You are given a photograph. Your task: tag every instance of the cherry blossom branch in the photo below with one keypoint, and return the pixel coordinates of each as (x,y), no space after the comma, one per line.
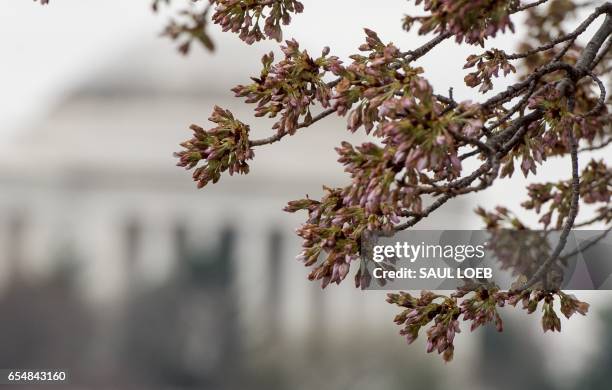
(521,125)
(582,66)
(587,245)
(529,5)
(603,9)
(601,101)
(602,53)
(596,147)
(415,54)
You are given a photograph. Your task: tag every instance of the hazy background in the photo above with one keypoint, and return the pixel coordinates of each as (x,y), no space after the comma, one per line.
(114,266)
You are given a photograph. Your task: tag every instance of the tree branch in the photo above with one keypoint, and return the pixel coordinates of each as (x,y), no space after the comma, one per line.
(582,66)
(277,137)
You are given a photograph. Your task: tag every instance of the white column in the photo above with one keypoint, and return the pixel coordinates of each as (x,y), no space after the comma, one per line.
(157,252)
(251,276)
(101,245)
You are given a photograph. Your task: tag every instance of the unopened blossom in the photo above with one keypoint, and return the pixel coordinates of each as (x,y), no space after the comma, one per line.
(191,28)
(331,236)
(244,19)
(531,151)
(290,87)
(595,187)
(222,148)
(372,79)
(471,21)
(488,65)
(550,319)
(481,308)
(419,312)
(571,305)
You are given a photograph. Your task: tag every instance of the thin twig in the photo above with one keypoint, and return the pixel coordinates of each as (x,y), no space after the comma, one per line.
(577,31)
(573,211)
(277,137)
(596,147)
(586,246)
(529,5)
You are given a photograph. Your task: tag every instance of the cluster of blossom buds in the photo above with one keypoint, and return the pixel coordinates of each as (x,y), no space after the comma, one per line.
(487,65)
(479,305)
(471,21)
(550,136)
(593,127)
(192,30)
(540,194)
(391,93)
(596,182)
(331,229)
(551,100)
(559,120)
(515,246)
(555,140)
(570,305)
(501,218)
(595,186)
(223,148)
(290,87)
(371,80)
(586,98)
(411,147)
(373,188)
(418,312)
(242,17)
(374,200)
(423,137)
(418,135)
(550,320)
(531,151)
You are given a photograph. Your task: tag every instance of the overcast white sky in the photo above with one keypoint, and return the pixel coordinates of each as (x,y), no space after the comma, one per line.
(47,49)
